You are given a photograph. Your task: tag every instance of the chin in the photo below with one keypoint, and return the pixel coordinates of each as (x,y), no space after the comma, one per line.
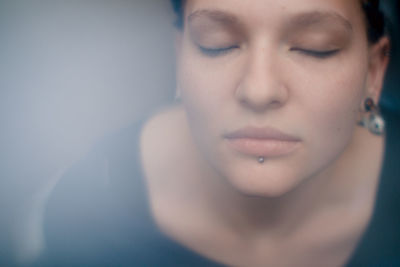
(262,182)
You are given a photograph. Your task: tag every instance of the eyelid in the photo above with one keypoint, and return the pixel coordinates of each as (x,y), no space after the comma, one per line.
(218,51)
(316,53)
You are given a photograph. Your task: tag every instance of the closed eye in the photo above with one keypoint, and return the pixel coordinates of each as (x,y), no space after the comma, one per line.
(316,53)
(214,52)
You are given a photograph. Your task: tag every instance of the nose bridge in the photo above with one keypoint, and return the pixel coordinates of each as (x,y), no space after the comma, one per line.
(261,85)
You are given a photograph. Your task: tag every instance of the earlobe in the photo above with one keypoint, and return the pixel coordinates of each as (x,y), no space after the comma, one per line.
(378,62)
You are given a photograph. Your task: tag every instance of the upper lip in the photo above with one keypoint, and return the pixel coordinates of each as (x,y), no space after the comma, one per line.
(261,133)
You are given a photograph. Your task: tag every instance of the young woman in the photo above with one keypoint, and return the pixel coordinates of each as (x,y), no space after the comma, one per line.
(276,155)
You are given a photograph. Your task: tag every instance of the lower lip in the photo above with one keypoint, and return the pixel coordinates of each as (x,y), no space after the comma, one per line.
(263,147)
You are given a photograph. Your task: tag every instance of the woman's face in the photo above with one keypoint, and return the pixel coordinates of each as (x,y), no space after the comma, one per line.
(282,80)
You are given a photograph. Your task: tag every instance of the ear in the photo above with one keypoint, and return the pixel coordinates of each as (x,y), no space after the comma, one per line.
(378,62)
(178,43)
(178,53)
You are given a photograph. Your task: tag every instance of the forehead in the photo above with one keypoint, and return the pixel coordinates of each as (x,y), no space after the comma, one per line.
(269,12)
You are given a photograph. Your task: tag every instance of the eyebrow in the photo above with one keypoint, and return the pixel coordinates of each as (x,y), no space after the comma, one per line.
(215,15)
(303,20)
(299,20)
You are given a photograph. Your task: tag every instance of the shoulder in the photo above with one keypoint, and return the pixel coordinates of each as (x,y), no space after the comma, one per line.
(165,151)
(163,127)
(98,205)
(94,173)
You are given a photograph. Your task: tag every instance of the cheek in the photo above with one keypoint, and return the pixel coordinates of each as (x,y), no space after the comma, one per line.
(204,84)
(207,96)
(207,90)
(334,103)
(328,107)
(200,99)
(330,90)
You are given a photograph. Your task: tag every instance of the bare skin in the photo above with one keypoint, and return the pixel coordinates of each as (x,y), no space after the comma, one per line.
(317,224)
(301,67)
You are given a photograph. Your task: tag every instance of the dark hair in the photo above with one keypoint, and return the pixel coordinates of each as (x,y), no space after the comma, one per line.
(178,6)
(375,19)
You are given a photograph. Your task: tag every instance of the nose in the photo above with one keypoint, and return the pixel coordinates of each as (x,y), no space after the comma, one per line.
(262,87)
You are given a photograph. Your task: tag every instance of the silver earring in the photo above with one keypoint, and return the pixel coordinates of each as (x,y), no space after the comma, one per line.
(376,124)
(261,159)
(372,119)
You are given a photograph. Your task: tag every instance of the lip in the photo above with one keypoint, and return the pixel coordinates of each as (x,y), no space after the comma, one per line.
(266,142)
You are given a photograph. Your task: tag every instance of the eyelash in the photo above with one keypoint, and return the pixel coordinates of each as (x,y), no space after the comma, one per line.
(214,52)
(315,53)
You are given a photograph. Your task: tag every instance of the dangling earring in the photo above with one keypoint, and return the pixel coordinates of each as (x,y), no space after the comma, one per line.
(372,119)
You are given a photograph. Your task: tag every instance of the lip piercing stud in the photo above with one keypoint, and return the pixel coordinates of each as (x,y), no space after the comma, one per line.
(261,160)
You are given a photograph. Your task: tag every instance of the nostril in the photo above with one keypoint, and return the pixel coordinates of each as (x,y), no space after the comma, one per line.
(260,106)
(262,98)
